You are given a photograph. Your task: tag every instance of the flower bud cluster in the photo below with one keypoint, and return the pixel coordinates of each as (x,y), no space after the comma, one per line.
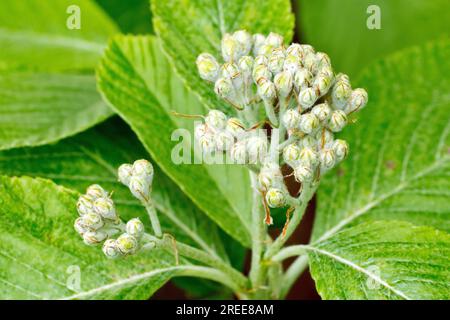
(127,243)
(138,177)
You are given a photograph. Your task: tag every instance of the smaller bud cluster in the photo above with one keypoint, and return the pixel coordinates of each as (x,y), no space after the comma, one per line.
(127,243)
(271,181)
(138,177)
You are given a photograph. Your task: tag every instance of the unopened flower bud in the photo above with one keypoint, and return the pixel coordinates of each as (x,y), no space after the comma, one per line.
(140,188)
(92,221)
(257,149)
(239,152)
(245,64)
(224,88)
(261,60)
(308,157)
(84,204)
(303,173)
(127,244)
(358,100)
(105,208)
(125,172)
(92,238)
(79,226)
(266,89)
(322,111)
(321,84)
(292,63)
(337,121)
(200,130)
(341,91)
(224,141)
(142,167)
(340,148)
(135,228)
(276,198)
(307,98)
(324,138)
(307,49)
(265,50)
(322,59)
(258,42)
(310,62)
(308,123)
(291,153)
(208,67)
(229,70)
(302,79)
(96,191)
(283,83)
(244,40)
(274,39)
(235,127)
(291,119)
(261,71)
(270,176)
(110,249)
(230,48)
(207,143)
(327,158)
(308,142)
(276,60)
(216,119)
(295,49)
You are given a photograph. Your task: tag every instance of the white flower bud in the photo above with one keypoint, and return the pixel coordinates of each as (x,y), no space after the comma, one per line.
(291,153)
(244,40)
(303,173)
(216,119)
(127,244)
(270,176)
(200,130)
(235,127)
(324,138)
(337,121)
(79,226)
(308,142)
(257,149)
(322,59)
(261,71)
(310,62)
(230,48)
(322,111)
(258,42)
(292,63)
(266,89)
(321,84)
(307,49)
(207,143)
(358,100)
(96,191)
(302,79)
(110,249)
(92,221)
(291,119)
(139,187)
(276,198)
(308,123)
(308,157)
(327,158)
(125,172)
(246,67)
(340,148)
(208,67)
(276,60)
(283,83)
(224,141)
(84,204)
(261,60)
(105,208)
(142,167)
(135,227)
(239,152)
(326,71)
(295,49)
(223,88)
(341,91)
(92,238)
(274,39)
(229,70)
(265,50)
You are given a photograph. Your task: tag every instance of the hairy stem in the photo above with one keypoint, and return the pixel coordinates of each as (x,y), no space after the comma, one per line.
(293,272)
(153,218)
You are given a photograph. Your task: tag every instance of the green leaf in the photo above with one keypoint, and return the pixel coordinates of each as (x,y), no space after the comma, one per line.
(399,160)
(40,251)
(35,34)
(188,28)
(40,108)
(339,28)
(127,80)
(90,158)
(383,260)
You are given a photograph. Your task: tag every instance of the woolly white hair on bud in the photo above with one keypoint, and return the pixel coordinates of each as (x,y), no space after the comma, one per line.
(270,176)
(283,83)
(235,127)
(92,238)
(261,71)
(245,64)
(322,111)
(266,89)
(230,48)
(85,204)
(295,49)
(310,62)
(327,158)
(207,143)
(224,140)
(127,244)
(258,42)
(265,50)
(229,70)
(135,228)
(321,84)
(358,100)
(257,149)
(207,66)
(79,226)
(143,167)
(303,173)
(308,142)
(307,98)
(110,249)
(224,88)
(216,119)
(200,130)
(322,59)
(340,148)
(261,60)
(276,198)
(276,60)
(244,40)
(308,157)
(307,49)
(291,153)
(308,123)
(302,79)
(92,221)
(337,121)
(274,39)
(239,152)
(124,173)
(139,187)
(324,138)
(291,118)
(96,191)
(105,208)
(341,91)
